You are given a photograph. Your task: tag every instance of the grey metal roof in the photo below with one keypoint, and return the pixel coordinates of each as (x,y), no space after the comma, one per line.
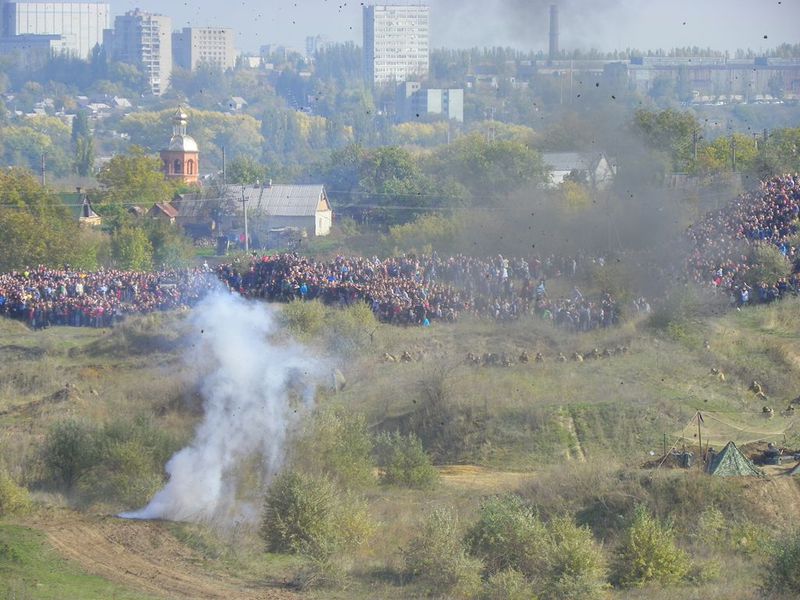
(279,200)
(568,161)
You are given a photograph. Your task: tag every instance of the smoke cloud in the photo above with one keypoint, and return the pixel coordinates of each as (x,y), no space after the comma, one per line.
(525,24)
(252,388)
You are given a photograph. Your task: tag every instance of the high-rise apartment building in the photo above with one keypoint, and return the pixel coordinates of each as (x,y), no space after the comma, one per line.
(80,24)
(195,46)
(396,43)
(144,39)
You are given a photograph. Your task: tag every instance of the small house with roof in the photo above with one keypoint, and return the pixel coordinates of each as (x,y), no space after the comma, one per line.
(596,170)
(163,211)
(275,208)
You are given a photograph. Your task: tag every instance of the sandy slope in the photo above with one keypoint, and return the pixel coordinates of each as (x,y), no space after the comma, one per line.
(143,556)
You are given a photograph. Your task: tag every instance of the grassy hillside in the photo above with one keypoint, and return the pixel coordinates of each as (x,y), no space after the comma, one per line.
(569,437)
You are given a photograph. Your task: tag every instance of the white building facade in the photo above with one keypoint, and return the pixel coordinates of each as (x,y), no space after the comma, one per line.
(81,24)
(195,46)
(396,43)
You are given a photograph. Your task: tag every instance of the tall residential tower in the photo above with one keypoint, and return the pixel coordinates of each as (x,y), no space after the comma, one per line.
(396,43)
(143,39)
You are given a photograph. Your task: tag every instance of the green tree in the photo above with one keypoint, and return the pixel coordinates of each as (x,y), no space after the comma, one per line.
(507,535)
(131,249)
(648,553)
(69,450)
(35,227)
(134,179)
(668,131)
(490,170)
(171,249)
(768,265)
(783,574)
(404,461)
(82,144)
(245,169)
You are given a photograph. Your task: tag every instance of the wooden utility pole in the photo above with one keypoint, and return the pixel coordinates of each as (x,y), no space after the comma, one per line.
(699,435)
(246,236)
(44,170)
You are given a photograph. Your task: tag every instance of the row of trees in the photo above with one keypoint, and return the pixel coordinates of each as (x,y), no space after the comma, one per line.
(38,228)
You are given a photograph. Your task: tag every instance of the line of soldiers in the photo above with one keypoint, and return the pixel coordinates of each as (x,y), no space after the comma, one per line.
(503,359)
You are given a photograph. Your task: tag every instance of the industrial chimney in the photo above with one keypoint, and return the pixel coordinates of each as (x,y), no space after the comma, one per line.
(553,32)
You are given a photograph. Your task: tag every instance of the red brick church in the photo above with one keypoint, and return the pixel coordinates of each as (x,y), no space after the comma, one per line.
(181,157)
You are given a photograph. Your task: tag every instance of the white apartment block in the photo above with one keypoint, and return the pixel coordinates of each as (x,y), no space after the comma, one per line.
(196,46)
(144,39)
(80,24)
(396,43)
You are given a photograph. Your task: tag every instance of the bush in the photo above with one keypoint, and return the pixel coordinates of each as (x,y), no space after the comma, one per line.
(648,553)
(508,585)
(350,330)
(783,574)
(298,513)
(69,450)
(14,499)
(437,559)
(304,320)
(127,474)
(768,265)
(575,567)
(508,535)
(337,444)
(307,514)
(404,461)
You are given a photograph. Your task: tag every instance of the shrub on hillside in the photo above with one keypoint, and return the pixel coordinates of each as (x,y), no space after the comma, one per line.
(69,451)
(308,514)
(574,565)
(404,461)
(351,329)
(507,535)
(783,573)
(336,443)
(304,320)
(648,553)
(508,585)
(127,474)
(14,499)
(436,558)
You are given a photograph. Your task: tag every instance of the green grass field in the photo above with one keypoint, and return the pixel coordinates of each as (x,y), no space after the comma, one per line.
(549,431)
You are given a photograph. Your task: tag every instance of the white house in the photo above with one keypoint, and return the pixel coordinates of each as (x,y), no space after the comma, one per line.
(595,169)
(272,207)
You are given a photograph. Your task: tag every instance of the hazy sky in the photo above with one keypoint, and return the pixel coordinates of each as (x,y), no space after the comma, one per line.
(603,24)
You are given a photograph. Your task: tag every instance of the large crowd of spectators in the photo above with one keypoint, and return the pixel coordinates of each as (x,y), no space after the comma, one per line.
(407,290)
(721,244)
(43,297)
(420,289)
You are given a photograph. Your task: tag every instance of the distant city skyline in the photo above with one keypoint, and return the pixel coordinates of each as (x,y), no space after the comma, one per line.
(603,24)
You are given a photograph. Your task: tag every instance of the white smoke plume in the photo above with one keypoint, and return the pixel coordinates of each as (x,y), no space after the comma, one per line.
(252,390)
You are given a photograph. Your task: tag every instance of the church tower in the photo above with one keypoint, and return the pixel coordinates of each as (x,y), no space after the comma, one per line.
(181,157)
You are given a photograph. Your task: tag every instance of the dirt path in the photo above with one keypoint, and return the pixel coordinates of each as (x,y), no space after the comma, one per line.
(143,556)
(482,479)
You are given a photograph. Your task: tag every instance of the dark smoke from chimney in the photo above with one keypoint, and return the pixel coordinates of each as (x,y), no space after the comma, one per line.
(553,32)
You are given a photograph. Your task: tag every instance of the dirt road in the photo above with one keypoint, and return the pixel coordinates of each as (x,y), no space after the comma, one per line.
(143,556)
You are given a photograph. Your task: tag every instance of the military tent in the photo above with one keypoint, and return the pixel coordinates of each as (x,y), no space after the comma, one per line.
(730,462)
